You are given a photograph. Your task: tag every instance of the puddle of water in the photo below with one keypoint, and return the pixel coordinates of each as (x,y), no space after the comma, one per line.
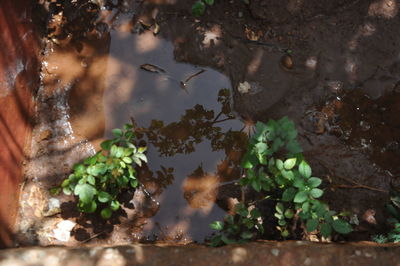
(193,140)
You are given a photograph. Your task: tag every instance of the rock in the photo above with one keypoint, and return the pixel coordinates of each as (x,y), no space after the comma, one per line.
(53,207)
(63,230)
(287,62)
(244,87)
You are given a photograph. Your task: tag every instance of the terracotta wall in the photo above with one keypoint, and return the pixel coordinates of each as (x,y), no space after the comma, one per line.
(19,77)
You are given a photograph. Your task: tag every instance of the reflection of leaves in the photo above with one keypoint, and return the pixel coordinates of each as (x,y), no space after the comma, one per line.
(194,126)
(162,177)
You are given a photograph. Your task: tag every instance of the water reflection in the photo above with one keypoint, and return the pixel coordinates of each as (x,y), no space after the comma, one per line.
(194,140)
(198,186)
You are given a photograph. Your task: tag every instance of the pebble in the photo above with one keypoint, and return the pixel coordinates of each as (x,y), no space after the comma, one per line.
(287,62)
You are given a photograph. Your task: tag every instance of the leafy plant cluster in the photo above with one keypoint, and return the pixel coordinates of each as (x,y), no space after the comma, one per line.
(99,179)
(244,226)
(394,209)
(276,168)
(199,7)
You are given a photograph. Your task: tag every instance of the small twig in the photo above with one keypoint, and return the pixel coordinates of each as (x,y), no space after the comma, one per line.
(222,120)
(359,186)
(194,75)
(93,236)
(355,184)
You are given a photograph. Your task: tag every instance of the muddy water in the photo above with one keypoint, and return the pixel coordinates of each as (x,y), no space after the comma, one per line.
(194,143)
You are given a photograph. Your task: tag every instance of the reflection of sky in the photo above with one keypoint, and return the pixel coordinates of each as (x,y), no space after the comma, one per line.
(132,92)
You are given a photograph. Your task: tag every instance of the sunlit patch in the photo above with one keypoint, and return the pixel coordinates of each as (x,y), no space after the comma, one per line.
(239,255)
(383,8)
(312,62)
(351,69)
(121,78)
(366,30)
(200,190)
(255,62)
(146,42)
(139,254)
(211,36)
(178,232)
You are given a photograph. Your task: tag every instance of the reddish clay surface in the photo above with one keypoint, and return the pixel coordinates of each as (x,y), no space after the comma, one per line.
(18,79)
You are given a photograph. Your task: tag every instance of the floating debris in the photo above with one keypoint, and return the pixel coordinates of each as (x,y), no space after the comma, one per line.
(152,68)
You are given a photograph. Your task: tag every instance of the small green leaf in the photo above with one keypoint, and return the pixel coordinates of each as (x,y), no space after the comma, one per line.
(54,191)
(217,225)
(209,2)
(127,160)
(142,149)
(316,193)
(288,194)
(311,224)
(293,147)
(89,207)
(285,233)
(141,156)
(67,191)
(134,183)
(198,9)
(305,207)
(246,235)
(113,150)
(287,174)
(79,169)
(255,213)
(289,163)
(279,208)
(255,183)
(314,182)
(106,213)
(65,183)
(117,132)
(104,197)
(289,213)
(91,180)
(114,205)
(85,192)
(305,169)
(260,148)
(341,226)
(279,164)
(326,230)
(106,145)
(128,126)
(300,197)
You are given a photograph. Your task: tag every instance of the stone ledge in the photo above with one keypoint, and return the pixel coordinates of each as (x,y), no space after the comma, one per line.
(258,253)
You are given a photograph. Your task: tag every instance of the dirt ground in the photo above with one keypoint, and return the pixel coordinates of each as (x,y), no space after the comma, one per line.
(331,66)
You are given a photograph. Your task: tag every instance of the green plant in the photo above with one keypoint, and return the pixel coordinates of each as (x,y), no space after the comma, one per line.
(394,209)
(275,166)
(99,179)
(199,7)
(244,226)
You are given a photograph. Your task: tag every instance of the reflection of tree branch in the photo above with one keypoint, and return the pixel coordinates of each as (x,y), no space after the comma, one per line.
(223,120)
(218,115)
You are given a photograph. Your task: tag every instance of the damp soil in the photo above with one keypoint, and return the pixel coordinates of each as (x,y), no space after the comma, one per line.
(333,68)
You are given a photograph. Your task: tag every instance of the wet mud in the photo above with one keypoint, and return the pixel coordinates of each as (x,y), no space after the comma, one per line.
(332,68)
